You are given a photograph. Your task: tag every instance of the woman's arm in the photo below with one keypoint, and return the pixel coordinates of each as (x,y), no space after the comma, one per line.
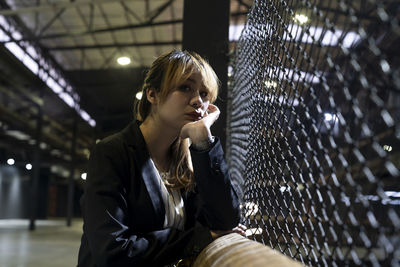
(220,201)
(107,232)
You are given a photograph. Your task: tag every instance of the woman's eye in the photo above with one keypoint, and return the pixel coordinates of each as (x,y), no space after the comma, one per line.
(185,88)
(203,94)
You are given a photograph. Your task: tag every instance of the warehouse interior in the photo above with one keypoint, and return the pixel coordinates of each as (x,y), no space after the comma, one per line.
(318,78)
(60,73)
(69,74)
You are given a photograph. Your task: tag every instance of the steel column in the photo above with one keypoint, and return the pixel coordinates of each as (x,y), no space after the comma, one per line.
(70,201)
(36,170)
(205,31)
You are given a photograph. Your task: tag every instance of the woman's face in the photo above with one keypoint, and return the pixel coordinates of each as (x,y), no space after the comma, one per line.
(186,103)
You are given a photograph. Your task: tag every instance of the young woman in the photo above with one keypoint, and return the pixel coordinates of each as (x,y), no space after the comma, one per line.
(159,190)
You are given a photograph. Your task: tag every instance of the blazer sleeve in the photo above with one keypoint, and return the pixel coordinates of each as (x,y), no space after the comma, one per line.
(109,239)
(220,202)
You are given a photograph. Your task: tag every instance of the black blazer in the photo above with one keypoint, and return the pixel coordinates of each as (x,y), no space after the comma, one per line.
(123,210)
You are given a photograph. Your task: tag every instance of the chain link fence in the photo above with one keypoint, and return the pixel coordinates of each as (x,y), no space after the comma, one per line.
(313,129)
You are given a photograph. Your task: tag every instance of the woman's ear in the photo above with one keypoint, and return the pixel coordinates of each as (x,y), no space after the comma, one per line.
(152,95)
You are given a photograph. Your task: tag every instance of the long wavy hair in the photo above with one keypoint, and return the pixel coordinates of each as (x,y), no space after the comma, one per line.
(166,73)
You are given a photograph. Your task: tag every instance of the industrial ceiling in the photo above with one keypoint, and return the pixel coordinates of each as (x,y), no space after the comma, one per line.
(58,59)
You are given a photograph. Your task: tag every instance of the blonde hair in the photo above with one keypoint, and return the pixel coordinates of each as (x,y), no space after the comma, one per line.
(166,73)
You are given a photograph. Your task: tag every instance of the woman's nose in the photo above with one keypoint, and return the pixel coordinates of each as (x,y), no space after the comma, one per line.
(197,101)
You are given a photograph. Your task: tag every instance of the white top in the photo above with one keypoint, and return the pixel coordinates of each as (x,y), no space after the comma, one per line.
(173,202)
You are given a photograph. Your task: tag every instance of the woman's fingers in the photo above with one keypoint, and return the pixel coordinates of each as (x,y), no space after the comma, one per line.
(212,115)
(199,130)
(239,230)
(212,109)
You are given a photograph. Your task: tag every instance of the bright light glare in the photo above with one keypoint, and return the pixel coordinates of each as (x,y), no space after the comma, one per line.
(270,84)
(84,115)
(230,71)
(387,148)
(28,166)
(392,194)
(330,117)
(235,31)
(251,209)
(300,18)
(67,99)
(55,83)
(83,176)
(31,64)
(139,95)
(284,188)
(92,122)
(15,50)
(10,161)
(3,36)
(124,61)
(254,231)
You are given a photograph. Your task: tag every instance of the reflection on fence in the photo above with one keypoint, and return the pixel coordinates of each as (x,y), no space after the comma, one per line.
(314,129)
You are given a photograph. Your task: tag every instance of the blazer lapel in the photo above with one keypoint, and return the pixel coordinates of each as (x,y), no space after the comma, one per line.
(146,169)
(153,188)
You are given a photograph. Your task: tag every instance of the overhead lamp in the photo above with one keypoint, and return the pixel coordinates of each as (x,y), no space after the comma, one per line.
(301,19)
(124,61)
(28,166)
(387,148)
(10,161)
(139,95)
(83,176)
(230,71)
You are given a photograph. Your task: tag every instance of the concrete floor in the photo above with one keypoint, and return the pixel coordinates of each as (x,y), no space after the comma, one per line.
(51,244)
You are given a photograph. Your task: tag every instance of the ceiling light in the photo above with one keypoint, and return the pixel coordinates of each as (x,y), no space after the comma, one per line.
(43,146)
(28,166)
(18,134)
(387,148)
(124,61)
(300,18)
(10,161)
(29,57)
(139,95)
(230,71)
(83,176)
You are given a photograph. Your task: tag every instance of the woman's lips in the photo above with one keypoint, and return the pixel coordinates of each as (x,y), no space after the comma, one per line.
(195,115)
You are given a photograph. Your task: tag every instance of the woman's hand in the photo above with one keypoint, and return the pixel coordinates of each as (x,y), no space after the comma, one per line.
(240,229)
(199,130)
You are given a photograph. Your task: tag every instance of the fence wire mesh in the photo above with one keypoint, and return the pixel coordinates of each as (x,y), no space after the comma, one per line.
(313,129)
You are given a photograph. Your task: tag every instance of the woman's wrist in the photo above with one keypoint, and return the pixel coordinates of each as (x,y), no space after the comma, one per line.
(199,134)
(204,144)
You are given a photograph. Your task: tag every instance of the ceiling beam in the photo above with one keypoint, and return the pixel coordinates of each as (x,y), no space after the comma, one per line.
(54,6)
(119,45)
(109,29)
(153,15)
(242,3)
(51,21)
